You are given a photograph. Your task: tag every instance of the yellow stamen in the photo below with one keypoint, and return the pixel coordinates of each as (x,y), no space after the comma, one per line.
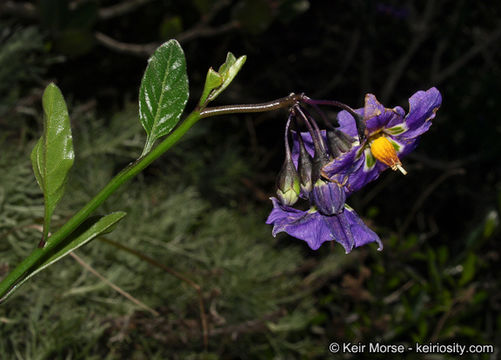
(383,150)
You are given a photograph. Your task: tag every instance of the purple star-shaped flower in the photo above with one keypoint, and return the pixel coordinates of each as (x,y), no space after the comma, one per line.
(391,134)
(311,226)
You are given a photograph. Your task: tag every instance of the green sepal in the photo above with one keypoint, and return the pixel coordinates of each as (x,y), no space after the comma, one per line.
(87,231)
(53,156)
(230,60)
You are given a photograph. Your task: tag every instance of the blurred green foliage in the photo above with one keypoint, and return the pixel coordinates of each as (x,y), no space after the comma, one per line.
(20,62)
(200,209)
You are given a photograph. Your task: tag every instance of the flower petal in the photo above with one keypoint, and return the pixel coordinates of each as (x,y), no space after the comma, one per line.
(422,108)
(377,117)
(341,165)
(354,173)
(367,171)
(345,228)
(340,228)
(304,225)
(347,123)
(361,232)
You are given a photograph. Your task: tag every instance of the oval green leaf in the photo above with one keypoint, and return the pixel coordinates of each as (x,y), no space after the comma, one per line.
(53,155)
(86,232)
(163,93)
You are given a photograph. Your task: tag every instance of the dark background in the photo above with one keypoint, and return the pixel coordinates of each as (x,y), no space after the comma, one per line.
(435,281)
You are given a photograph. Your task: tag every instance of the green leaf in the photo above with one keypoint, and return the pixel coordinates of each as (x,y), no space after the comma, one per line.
(230,60)
(53,155)
(89,230)
(228,71)
(163,93)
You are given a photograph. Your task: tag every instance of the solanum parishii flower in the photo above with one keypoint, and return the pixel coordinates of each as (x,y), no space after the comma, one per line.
(316,228)
(390,135)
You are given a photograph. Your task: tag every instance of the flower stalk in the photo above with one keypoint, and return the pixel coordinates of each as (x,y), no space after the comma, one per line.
(281,103)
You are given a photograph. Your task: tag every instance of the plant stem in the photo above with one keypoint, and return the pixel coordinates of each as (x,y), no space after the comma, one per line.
(10,281)
(281,103)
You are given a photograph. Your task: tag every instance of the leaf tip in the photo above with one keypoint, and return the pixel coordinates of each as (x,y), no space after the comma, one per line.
(52,86)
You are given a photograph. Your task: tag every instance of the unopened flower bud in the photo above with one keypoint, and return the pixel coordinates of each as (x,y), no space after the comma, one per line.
(320,159)
(305,167)
(328,197)
(338,142)
(288,183)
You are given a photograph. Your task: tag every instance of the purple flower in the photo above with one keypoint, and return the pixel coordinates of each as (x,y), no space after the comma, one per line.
(391,134)
(311,226)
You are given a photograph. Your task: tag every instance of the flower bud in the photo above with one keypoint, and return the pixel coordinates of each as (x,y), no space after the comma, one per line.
(338,142)
(305,166)
(288,183)
(320,159)
(328,197)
